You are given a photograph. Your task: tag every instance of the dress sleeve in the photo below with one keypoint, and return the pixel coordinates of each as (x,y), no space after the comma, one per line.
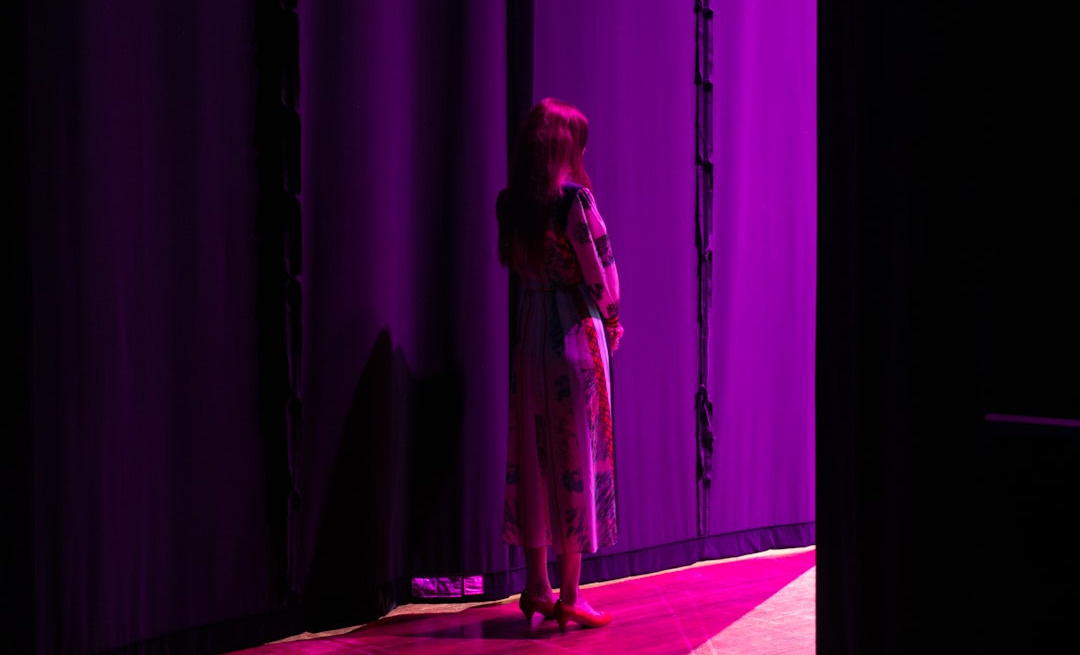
(589,237)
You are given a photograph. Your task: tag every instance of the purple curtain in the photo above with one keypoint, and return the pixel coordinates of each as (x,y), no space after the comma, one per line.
(765,261)
(148,484)
(632,73)
(404,151)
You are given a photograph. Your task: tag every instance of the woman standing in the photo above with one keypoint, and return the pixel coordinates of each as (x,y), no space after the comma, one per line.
(560,485)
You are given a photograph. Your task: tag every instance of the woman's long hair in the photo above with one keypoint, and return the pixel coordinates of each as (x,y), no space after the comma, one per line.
(547,154)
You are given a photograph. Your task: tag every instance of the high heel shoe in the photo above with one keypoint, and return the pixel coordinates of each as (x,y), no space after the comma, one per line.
(531,604)
(585,618)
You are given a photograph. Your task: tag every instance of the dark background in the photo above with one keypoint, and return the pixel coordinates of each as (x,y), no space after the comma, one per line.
(947,293)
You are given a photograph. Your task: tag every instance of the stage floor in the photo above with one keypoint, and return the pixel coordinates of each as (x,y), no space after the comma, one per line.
(762,604)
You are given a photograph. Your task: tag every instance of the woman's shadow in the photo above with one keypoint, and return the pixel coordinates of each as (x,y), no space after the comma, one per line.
(498,620)
(393,505)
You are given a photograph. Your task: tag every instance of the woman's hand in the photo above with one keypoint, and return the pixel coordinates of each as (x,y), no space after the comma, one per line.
(614,333)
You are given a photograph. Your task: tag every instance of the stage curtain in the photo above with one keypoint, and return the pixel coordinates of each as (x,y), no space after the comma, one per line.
(947,355)
(764,271)
(149,478)
(632,74)
(402,464)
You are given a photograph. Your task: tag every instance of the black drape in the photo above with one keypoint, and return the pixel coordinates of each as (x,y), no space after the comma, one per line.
(944,271)
(139,465)
(17,614)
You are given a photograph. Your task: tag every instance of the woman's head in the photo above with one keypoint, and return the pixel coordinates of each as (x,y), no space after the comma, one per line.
(549,150)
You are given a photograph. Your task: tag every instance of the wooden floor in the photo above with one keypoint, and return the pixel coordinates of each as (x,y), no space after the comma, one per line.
(761,604)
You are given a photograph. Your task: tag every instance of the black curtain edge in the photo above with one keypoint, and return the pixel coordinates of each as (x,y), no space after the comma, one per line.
(276,143)
(18,615)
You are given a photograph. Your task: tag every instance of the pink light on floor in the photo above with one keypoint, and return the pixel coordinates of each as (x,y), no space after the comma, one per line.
(762,604)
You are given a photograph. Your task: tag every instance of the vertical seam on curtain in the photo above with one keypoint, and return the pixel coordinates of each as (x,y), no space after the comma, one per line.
(278,253)
(703,216)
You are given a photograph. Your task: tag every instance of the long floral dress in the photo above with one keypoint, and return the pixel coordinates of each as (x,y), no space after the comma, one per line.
(560,478)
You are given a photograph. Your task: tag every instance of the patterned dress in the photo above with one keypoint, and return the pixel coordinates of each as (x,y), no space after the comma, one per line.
(560,479)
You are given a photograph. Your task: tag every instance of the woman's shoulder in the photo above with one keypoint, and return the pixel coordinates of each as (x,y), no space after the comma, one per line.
(580,193)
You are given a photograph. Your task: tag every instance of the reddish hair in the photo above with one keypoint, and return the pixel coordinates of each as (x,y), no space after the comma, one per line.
(546,155)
